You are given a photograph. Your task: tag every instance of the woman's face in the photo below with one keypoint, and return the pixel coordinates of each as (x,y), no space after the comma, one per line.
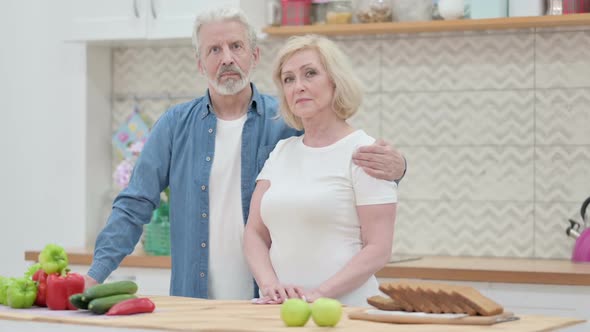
(307,87)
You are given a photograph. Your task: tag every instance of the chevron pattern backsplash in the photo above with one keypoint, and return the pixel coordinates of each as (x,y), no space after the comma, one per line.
(495,127)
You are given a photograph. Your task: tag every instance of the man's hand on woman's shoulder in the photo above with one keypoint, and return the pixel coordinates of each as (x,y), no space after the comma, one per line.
(381,160)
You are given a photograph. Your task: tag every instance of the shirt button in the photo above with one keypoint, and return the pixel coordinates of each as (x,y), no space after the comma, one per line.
(203,187)
(202,274)
(210,130)
(203,244)
(208,158)
(204,215)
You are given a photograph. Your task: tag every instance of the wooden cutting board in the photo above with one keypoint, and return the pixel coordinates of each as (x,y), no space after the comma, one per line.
(423,318)
(188,314)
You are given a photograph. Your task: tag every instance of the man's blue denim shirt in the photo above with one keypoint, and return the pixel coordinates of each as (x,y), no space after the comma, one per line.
(179,154)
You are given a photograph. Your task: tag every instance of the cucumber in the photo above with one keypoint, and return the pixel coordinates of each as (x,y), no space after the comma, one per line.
(76,301)
(108,289)
(103,304)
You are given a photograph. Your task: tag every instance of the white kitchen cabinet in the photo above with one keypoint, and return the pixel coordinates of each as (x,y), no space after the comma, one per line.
(535,299)
(174,19)
(107,19)
(119,20)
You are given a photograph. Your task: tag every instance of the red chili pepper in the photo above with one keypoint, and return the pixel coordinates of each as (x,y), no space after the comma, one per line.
(41,278)
(132,306)
(60,287)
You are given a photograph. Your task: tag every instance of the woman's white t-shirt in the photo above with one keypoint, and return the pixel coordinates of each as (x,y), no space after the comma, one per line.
(310,210)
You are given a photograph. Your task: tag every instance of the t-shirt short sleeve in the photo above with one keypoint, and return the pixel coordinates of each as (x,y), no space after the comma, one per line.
(267,170)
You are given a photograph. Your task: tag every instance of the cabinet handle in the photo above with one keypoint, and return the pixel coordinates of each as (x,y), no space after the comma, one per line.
(153,5)
(135,9)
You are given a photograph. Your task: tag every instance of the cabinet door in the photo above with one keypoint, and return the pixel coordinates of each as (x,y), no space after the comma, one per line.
(175,18)
(106,19)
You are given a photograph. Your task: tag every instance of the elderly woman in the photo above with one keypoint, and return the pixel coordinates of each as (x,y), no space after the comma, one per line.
(319,226)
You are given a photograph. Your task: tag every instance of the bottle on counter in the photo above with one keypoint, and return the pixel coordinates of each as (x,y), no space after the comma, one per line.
(273,12)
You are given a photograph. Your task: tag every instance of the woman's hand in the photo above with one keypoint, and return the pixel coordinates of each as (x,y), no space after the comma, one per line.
(313,295)
(277,293)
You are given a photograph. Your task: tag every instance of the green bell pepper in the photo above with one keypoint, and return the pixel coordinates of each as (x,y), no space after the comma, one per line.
(53,259)
(32,270)
(4,284)
(21,293)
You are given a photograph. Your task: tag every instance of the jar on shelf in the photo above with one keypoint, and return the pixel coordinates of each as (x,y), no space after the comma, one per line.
(339,12)
(575,6)
(489,8)
(319,9)
(519,8)
(295,12)
(373,11)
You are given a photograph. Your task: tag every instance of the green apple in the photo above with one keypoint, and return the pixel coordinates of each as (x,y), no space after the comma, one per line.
(295,312)
(326,312)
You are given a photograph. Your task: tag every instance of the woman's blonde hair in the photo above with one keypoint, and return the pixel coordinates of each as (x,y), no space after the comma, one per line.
(347,89)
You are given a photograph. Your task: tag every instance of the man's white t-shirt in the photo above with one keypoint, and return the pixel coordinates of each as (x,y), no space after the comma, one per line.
(310,210)
(229,275)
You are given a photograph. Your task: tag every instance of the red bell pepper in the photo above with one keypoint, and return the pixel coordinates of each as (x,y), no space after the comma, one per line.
(60,287)
(41,278)
(132,306)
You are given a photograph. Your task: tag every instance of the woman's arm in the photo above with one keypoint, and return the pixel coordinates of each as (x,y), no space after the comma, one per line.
(257,240)
(377,235)
(257,243)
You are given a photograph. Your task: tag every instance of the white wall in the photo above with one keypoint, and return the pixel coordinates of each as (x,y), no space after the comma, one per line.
(42,126)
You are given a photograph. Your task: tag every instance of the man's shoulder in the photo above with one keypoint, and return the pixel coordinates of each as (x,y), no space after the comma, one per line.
(269,104)
(194,105)
(179,112)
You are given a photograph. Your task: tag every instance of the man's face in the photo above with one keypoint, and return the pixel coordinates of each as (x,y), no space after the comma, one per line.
(226,57)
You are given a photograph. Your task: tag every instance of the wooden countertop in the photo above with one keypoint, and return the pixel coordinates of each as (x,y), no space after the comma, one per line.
(488,269)
(84,257)
(187,314)
(480,269)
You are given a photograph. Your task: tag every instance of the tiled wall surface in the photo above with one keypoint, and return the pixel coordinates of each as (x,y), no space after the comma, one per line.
(495,127)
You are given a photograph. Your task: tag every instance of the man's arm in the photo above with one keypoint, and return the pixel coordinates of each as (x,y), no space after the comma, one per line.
(381,160)
(134,205)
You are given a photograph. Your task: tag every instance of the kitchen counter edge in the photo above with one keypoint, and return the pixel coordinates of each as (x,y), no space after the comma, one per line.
(452,268)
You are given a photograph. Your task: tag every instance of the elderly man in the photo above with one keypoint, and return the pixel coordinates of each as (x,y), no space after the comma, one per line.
(209,152)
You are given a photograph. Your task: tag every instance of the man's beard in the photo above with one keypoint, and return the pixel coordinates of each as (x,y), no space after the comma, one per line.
(232,85)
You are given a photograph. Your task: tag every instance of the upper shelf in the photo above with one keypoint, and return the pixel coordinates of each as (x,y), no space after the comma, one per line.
(433,26)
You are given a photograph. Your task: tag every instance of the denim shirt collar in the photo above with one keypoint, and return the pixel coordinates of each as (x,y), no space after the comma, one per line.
(255,101)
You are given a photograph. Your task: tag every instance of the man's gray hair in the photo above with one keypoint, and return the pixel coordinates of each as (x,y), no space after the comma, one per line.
(222,14)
